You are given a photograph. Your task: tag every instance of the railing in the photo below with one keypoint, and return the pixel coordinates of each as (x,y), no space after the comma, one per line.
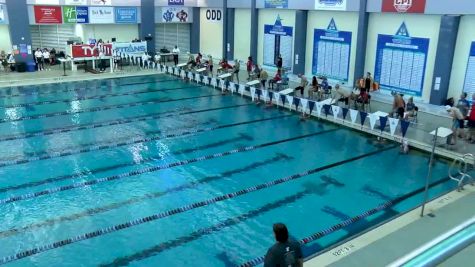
(441,248)
(462,165)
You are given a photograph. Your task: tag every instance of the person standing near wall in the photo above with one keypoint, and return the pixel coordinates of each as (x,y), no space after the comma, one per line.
(39,59)
(249,65)
(368,82)
(46,59)
(280,63)
(176,52)
(210,65)
(236,69)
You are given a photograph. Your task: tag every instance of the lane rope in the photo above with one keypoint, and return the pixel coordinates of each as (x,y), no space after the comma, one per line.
(171,212)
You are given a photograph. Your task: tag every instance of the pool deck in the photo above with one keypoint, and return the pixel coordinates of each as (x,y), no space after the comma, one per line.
(399,237)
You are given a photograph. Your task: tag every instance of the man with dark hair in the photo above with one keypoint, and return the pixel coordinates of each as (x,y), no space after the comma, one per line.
(284,253)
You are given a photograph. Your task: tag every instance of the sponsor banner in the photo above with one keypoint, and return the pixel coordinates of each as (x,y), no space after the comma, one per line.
(126,15)
(176,2)
(404,6)
(75,2)
(48,14)
(81,51)
(276,3)
(2,14)
(339,5)
(175,14)
(130,48)
(101,2)
(47,2)
(214,15)
(101,15)
(73,14)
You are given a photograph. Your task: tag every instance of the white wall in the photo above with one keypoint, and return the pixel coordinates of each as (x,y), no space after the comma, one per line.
(211,36)
(5,44)
(123,32)
(345,21)
(268,16)
(424,26)
(466,36)
(242,34)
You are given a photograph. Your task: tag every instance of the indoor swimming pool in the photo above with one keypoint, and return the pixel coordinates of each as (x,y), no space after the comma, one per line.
(153,171)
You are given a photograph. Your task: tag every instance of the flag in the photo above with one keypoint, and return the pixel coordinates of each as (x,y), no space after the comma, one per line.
(382,123)
(353,115)
(393,125)
(363,116)
(404,126)
(336,111)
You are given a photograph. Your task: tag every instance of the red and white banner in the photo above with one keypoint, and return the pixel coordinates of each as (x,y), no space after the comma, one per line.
(48,14)
(404,6)
(81,51)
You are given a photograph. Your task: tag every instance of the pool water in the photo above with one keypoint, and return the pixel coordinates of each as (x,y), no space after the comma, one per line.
(86,164)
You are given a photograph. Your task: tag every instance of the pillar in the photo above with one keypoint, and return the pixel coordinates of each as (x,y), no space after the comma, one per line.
(195,32)
(19,27)
(361,39)
(229,35)
(300,41)
(254,29)
(147,26)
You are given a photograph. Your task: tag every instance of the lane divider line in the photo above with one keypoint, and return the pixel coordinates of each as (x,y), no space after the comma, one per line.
(92,97)
(98,147)
(339,226)
(98,210)
(97,109)
(48,92)
(175,211)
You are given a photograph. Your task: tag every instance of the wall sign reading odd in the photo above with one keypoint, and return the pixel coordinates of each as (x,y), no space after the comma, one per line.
(214,15)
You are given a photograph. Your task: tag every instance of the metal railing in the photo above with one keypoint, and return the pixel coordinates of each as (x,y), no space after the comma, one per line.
(441,248)
(462,165)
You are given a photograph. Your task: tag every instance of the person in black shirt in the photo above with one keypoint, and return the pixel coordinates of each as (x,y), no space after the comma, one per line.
(280,62)
(284,253)
(368,82)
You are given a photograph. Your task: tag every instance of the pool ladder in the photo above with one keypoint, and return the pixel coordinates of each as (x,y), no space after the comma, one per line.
(462,165)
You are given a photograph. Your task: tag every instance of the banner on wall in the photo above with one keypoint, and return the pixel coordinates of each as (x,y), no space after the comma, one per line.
(404,6)
(101,15)
(101,2)
(48,14)
(47,2)
(469,84)
(176,2)
(126,15)
(330,5)
(75,14)
(85,51)
(175,14)
(2,14)
(276,3)
(130,48)
(214,15)
(401,62)
(331,52)
(75,2)
(278,40)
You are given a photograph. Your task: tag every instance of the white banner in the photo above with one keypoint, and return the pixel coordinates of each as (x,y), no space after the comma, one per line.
(253,93)
(242,88)
(304,103)
(206,80)
(129,48)
(75,2)
(265,95)
(276,98)
(232,87)
(175,14)
(101,15)
(336,111)
(339,5)
(222,84)
(393,125)
(214,82)
(372,120)
(290,100)
(101,2)
(319,106)
(353,115)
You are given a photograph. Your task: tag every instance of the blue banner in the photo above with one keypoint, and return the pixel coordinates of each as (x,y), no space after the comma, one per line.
(278,40)
(176,2)
(331,53)
(82,14)
(401,62)
(126,15)
(276,3)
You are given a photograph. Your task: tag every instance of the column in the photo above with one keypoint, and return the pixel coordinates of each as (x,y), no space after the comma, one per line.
(147,26)
(449,26)
(361,39)
(229,35)
(300,41)
(19,27)
(195,32)
(254,29)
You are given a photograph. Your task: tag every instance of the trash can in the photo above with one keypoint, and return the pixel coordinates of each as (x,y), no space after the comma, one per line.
(20,67)
(31,67)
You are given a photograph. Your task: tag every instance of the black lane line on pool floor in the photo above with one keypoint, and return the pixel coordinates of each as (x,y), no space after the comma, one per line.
(102,96)
(97,109)
(171,212)
(48,92)
(316,189)
(129,141)
(104,169)
(94,211)
(157,168)
(88,126)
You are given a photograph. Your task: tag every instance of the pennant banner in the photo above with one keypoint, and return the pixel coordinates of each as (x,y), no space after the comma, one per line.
(311,106)
(282,98)
(304,104)
(190,75)
(214,82)
(258,93)
(363,116)
(336,111)
(345,113)
(296,103)
(393,125)
(404,126)
(372,120)
(271,96)
(232,87)
(326,109)
(222,84)
(265,95)
(353,115)
(242,88)
(382,123)
(197,78)
(206,80)
(182,74)
(290,100)
(253,93)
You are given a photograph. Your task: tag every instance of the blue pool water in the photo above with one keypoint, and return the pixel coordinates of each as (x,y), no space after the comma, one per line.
(85,156)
